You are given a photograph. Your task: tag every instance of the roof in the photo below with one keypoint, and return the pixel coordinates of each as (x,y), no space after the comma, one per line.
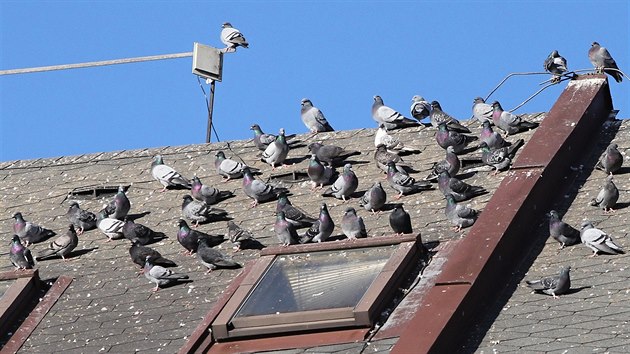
(108,308)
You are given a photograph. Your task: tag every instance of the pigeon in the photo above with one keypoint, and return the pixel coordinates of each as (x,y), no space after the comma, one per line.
(313,118)
(188,237)
(460,190)
(400,221)
(262,140)
(392,143)
(319,174)
(212,258)
(482,111)
(294,215)
(62,246)
(562,232)
(197,211)
(556,65)
(374,198)
(500,158)
(112,228)
(28,232)
(137,232)
(139,253)
(276,152)
(603,61)
(285,231)
(321,229)
(404,183)
(390,118)
(420,108)
(553,285)
(446,137)
(166,175)
(352,225)
(19,255)
(160,275)
(382,157)
(459,215)
(597,240)
(207,194)
(228,168)
(451,164)
(81,219)
(508,122)
(232,38)
(119,207)
(345,185)
(331,154)
(439,116)
(611,160)
(607,196)
(239,237)
(259,191)
(493,139)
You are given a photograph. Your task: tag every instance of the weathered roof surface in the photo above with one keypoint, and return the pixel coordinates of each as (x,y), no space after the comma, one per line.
(594,316)
(108,308)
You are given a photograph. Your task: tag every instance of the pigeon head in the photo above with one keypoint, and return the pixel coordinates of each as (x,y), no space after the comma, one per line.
(594,44)
(450,149)
(496,104)
(479,100)
(220,154)
(436,104)
(350,210)
(347,168)
(282,131)
(226,25)
(417,98)
(71,227)
(280,215)
(483,146)
(586,225)
(255,127)
(449,198)
(381,147)
(485,124)
(17,216)
(74,205)
(314,147)
(323,207)
(157,160)
(306,102)
(378,98)
(553,214)
(555,54)
(15,239)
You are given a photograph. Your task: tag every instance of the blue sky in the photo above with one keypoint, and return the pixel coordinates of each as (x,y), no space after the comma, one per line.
(338,54)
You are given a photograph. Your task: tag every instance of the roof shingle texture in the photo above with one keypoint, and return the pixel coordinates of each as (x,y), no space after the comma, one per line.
(109,308)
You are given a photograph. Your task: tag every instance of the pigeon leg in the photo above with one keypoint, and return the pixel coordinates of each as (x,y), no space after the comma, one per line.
(157,287)
(253,204)
(594,254)
(80,231)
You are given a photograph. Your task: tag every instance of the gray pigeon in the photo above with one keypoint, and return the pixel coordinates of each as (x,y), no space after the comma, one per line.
(603,61)
(62,246)
(232,38)
(460,190)
(197,211)
(493,139)
(28,232)
(294,215)
(607,196)
(390,118)
(611,160)
(319,174)
(277,151)
(207,194)
(439,116)
(19,255)
(228,168)
(374,198)
(451,164)
(553,285)
(139,253)
(239,237)
(459,215)
(382,157)
(166,175)
(508,122)
(112,228)
(446,137)
(119,207)
(392,143)
(212,258)
(259,191)
(262,140)
(482,111)
(313,118)
(400,221)
(404,183)
(189,238)
(284,230)
(331,154)
(562,232)
(597,240)
(138,233)
(81,219)
(160,275)
(345,185)
(420,108)
(500,158)
(352,225)
(556,65)
(321,229)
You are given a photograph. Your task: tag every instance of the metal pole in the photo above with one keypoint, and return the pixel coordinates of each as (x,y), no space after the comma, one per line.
(210,109)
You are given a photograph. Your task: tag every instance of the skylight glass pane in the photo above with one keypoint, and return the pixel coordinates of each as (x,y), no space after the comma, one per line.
(315,281)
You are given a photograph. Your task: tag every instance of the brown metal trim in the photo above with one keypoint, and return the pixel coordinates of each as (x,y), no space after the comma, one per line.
(14,301)
(341,245)
(27,273)
(37,315)
(494,245)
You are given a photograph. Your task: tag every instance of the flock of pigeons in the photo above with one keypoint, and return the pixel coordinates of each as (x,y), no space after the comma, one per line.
(198,207)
